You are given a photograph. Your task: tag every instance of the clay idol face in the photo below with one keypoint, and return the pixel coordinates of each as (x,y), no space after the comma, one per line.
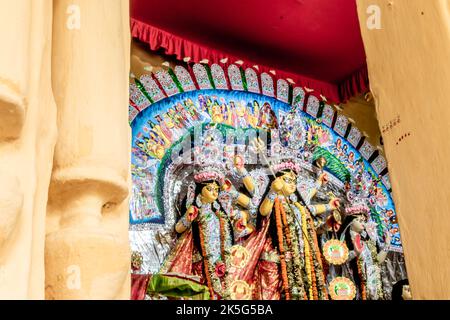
(210,192)
(290,183)
(406,293)
(358,224)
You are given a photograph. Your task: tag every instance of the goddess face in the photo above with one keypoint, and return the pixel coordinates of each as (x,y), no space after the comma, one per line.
(406,293)
(290,183)
(358,224)
(210,192)
(321,162)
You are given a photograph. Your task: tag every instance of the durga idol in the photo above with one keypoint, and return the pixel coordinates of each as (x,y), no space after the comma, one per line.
(300,258)
(204,241)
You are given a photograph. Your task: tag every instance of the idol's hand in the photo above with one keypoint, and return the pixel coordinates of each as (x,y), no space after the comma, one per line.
(387,241)
(238,162)
(226,185)
(335,203)
(192,213)
(258,145)
(277,184)
(323,178)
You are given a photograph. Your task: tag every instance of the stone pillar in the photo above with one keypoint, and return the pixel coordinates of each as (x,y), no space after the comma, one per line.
(86,251)
(27,139)
(408,61)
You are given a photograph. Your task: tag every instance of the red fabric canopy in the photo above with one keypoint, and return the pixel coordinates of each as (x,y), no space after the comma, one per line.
(316,43)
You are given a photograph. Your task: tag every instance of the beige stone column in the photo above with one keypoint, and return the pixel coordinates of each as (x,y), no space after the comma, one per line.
(408,60)
(27,139)
(87,253)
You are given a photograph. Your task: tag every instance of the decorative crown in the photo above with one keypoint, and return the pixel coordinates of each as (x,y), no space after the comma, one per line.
(286,165)
(210,172)
(356,209)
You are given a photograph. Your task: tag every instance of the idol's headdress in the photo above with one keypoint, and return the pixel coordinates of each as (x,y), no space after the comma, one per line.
(209,172)
(285,165)
(292,135)
(357,197)
(208,158)
(357,209)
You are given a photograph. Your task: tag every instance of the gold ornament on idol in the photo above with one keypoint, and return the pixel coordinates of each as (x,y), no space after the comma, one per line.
(240,290)
(239,256)
(342,288)
(335,252)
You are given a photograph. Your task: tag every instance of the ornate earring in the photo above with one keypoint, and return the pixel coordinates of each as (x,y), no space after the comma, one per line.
(190,196)
(216,205)
(198,201)
(293,197)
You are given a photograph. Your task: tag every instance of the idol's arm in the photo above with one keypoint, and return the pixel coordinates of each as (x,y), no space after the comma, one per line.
(312,193)
(249,184)
(318,209)
(383,253)
(243,173)
(382,256)
(315,209)
(248,181)
(243,200)
(266,207)
(186,220)
(237,197)
(320,182)
(352,255)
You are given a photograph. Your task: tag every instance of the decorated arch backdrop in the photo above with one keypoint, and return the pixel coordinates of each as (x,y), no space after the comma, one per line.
(165,107)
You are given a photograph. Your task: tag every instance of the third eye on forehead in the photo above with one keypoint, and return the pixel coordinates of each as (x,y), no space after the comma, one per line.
(289,177)
(212,186)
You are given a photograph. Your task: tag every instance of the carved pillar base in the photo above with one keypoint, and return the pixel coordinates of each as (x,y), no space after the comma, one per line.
(11,203)
(75,270)
(87,251)
(12,111)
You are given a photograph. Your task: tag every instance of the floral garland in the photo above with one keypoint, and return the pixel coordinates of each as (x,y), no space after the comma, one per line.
(223,238)
(313,279)
(205,260)
(298,270)
(307,256)
(281,248)
(296,264)
(373,251)
(222,234)
(361,276)
(313,250)
(320,272)
(286,226)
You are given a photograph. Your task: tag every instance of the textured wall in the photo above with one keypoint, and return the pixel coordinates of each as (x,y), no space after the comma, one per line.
(27,139)
(64,149)
(86,250)
(410,80)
